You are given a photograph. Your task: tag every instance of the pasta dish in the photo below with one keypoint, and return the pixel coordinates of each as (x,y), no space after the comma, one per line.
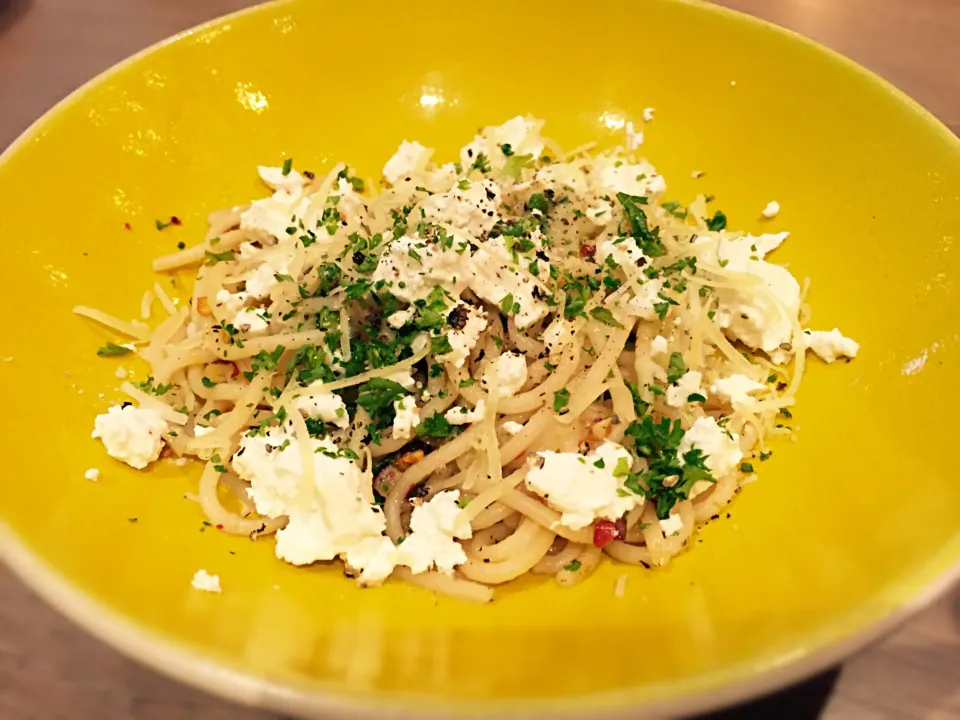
(518,362)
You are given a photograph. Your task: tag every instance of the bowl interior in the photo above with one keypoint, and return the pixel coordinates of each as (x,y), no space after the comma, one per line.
(845,524)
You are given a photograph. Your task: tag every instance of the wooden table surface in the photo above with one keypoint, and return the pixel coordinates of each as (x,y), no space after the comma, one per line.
(49,669)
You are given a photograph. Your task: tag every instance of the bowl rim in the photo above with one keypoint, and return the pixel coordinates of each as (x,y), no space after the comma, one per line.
(744,680)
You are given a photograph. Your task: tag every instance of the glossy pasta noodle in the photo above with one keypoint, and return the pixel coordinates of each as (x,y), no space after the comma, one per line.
(518,362)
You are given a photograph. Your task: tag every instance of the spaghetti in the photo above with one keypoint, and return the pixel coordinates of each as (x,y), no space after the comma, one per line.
(514,363)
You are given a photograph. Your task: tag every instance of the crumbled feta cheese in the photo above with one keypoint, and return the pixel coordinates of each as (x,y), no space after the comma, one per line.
(326,520)
(759,318)
(464,339)
(562,176)
(400,318)
(625,253)
(520,133)
(261,281)
(375,557)
(425,396)
(648,114)
(92,474)
(474,210)
(495,277)
(407,417)
(458,415)
(412,269)
(771,210)
(232,302)
(511,373)
(634,136)
(328,407)
(559,334)
(274,177)
(611,176)
(201,430)
(740,253)
(434,533)
(250,321)
(121,373)
(273,215)
(687,385)
(830,345)
(671,524)
(131,434)
(720,448)
(658,346)
(736,389)
(512,427)
(205,582)
(584,487)
(409,158)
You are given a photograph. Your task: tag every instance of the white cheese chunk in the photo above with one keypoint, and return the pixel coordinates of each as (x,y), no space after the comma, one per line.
(131,434)
(687,385)
(610,176)
(92,474)
(520,133)
(648,114)
(474,210)
(400,318)
(206,582)
(771,210)
(830,345)
(510,370)
(658,346)
(671,524)
(496,276)
(512,427)
(328,407)
(407,417)
(274,177)
(458,415)
(736,389)
(721,450)
(273,215)
(410,158)
(413,268)
(464,338)
(434,533)
(327,519)
(585,487)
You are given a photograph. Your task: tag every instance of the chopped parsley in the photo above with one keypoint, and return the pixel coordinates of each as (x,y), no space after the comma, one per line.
(287,167)
(214,258)
(436,426)
(717,222)
(573,566)
(560,399)
(113,350)
(605,316)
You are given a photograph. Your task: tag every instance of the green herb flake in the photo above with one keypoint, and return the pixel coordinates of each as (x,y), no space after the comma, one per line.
(605,316)
(560,399)
(573,566)
(287,166)
(113,350)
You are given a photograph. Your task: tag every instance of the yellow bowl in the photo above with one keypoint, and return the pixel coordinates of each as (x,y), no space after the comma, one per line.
(850,528)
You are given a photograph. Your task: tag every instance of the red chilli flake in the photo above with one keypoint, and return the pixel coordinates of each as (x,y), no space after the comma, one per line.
(588,251)
(126,226)
(174,220)
(605,532)
(219,527)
